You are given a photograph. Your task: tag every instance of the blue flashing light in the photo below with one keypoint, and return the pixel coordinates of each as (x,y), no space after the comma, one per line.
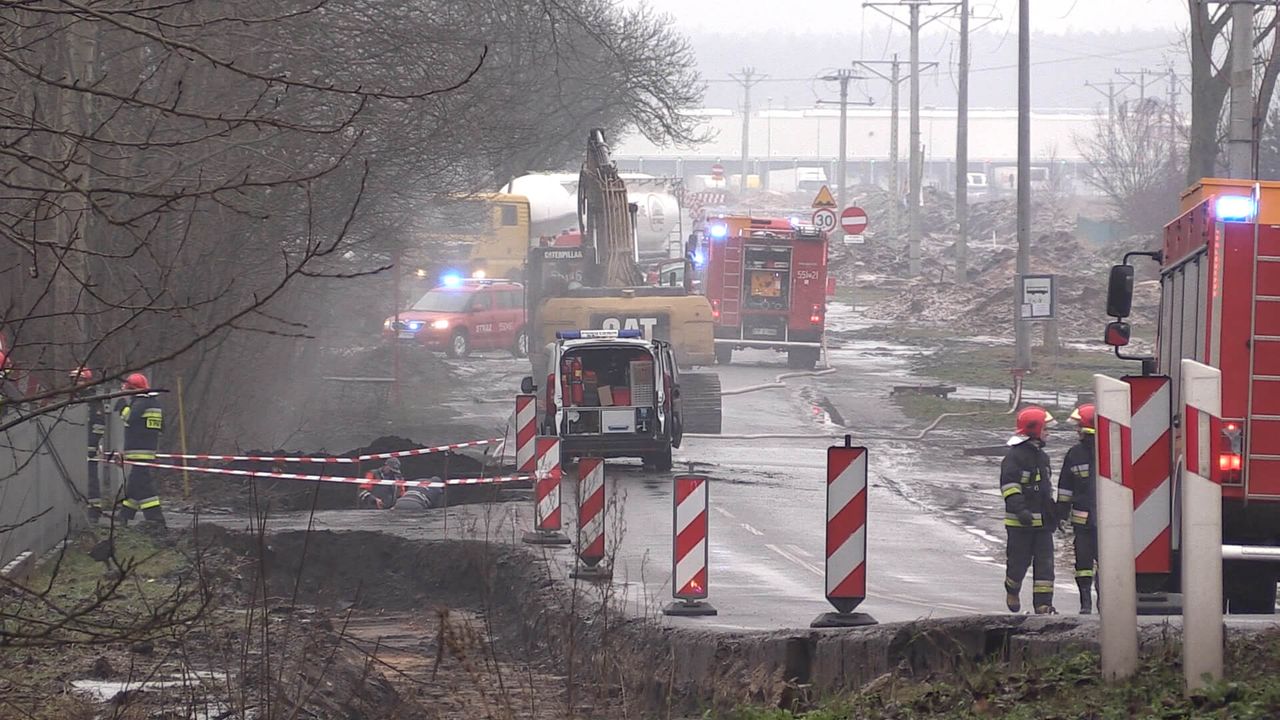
(633,333)
(795,221)
(451,280)
(568,334)
(718,232)
(1234,208)
(416,325)
(699,258)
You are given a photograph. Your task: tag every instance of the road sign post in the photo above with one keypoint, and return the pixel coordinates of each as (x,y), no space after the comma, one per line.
(1117,581)
(689,547)
(824,199)
(1201,547)
(846,569)
(591,510)
(546,495)
(1036,297)
(853,220)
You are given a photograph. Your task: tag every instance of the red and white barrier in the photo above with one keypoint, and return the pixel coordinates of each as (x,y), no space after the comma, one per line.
(846,568)
(591,510)
(1151,452)
(332,478)
(1116,569)
(689,547)
(546,494)
(1201,551)
(526,432)
(428,450)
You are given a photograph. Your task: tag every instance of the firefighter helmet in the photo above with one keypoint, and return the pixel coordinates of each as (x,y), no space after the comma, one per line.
(1085,418)
(82,374)
(137,381)
(1030,424)
(393,464)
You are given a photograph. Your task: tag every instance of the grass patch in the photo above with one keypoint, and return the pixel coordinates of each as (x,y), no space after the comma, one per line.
(1064,687)
(988,366)
(926,408)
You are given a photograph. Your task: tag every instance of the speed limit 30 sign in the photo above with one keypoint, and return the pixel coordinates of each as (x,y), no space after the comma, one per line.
(824,219)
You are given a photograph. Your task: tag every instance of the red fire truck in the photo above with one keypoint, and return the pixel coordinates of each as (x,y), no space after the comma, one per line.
(1219,288)
(766,279)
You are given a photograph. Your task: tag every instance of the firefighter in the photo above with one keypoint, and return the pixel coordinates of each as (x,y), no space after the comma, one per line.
(9,394)
(1076,500)
(421,497)
(373,495)
(95,429)
(143,423)
(1029,511)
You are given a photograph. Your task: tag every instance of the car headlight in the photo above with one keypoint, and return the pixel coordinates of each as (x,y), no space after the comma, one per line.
(440,324)
(387,323)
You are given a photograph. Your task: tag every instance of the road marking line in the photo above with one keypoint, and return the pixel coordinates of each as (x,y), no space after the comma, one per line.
(807,566)
(799,551)
(751,530)
(722,511)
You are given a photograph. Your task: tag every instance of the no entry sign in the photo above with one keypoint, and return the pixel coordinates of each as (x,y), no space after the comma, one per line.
(853,220)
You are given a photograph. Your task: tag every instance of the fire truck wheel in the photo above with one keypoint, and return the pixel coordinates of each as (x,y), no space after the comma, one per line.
(802,358)
(521,346)
(724,354)
(459,345)
(661,460)
(700,403)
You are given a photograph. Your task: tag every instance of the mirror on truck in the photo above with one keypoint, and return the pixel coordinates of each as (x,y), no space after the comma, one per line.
(1120,291)
(526,385)
(1118,333)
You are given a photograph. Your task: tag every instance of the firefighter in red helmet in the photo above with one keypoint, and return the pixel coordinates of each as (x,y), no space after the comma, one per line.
(1029,511)
(1076,499)
(143,423)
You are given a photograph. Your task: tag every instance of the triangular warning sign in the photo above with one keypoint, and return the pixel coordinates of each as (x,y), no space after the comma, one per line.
(824,199)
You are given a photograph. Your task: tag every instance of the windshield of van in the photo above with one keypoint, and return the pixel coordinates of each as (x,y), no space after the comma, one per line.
(440,300)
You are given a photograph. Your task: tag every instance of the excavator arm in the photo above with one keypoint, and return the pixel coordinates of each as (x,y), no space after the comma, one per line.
(605,217)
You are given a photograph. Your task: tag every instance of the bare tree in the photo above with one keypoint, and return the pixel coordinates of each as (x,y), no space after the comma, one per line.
(1136,163)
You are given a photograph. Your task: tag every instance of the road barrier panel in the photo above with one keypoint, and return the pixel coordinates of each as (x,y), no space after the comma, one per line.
(526,432)
(546,494)
(270,475)
(592,505)
(846,568)
(689,547)
(1117,579)
(1201,547)
(1151,480)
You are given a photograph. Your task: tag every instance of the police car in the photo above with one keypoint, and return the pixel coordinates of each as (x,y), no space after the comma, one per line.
(462,315)
(612,393)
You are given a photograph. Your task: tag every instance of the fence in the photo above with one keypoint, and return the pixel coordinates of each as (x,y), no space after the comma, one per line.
(42,478)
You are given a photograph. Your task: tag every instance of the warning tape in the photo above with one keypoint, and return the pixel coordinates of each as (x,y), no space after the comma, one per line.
(327,460)
(336,479)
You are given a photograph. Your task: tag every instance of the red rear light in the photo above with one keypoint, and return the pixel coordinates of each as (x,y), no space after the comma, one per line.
(815,317)
(715,309)
(1229,462)
(1230,447)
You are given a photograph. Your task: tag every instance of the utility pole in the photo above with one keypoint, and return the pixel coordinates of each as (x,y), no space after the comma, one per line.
(1022,336)
(1109,89)
(916,165)
(1140,79)
(962,151)
(1240,124)
(894,78)
(747,79)
(842,76)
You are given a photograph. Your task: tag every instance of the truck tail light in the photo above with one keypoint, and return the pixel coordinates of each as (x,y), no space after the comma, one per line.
(1230,461)
(815,316)
(551,395)
(715,309)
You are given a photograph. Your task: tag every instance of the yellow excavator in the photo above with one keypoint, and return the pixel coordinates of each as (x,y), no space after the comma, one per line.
(599,286)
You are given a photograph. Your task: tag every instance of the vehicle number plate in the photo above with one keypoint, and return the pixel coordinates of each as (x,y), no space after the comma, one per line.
(771,332)
(406,335)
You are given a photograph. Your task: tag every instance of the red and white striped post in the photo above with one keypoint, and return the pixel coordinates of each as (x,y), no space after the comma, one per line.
(689,547)
(1151,480)
(1201,525)
(546,494)
(1118,634)
(526,433)
(591,509)
(846,571)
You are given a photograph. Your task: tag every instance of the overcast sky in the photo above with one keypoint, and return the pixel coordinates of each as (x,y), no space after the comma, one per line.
(835,16)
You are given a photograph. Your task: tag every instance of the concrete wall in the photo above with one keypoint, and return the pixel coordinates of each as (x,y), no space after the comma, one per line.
(42,481)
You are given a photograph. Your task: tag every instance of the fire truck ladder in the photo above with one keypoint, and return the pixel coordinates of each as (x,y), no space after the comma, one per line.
(732,297)
(1265,300)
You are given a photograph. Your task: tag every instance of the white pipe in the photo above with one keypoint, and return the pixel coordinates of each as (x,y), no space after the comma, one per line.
(1261,553)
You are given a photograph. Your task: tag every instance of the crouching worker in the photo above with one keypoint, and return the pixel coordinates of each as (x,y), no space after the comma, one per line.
(382,487)
(422,497)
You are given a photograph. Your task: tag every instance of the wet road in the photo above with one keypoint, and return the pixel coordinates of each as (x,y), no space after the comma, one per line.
(935,541)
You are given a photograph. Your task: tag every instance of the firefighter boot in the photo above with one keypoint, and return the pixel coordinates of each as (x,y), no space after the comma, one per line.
(1046,610)
(1013,602)
(1086,595)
